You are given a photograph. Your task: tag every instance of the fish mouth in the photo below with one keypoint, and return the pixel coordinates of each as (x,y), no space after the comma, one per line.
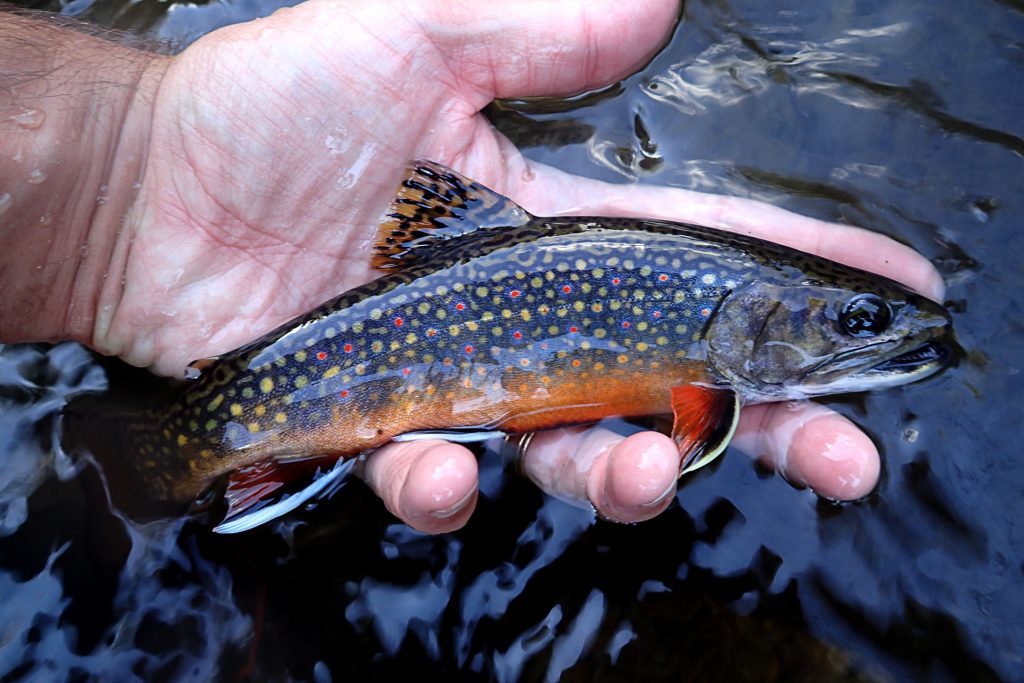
(921,361)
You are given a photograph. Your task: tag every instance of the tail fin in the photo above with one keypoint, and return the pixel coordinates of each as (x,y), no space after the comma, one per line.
(107,433)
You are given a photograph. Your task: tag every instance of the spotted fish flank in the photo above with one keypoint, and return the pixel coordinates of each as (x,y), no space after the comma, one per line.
(493,320)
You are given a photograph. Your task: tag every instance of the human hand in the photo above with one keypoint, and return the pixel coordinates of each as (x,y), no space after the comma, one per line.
(275,145)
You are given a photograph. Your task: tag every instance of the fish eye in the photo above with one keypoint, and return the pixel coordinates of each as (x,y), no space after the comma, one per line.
(865,315)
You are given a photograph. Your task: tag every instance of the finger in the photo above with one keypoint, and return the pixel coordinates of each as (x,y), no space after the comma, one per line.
(429,485)
(551,47)
(811,446)
(626,479)
(547,191)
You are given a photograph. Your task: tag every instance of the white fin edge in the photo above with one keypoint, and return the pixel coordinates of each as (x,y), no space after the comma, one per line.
(324,485)
(453,436)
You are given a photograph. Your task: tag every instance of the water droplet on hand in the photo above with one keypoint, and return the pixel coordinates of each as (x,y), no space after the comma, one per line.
(29,118)
(36,177)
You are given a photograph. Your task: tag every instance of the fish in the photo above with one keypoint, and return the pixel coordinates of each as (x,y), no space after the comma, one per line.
(488,321)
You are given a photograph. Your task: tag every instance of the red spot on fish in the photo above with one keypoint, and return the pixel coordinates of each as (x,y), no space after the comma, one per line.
(431,332)
(460,306)
(575,362)
(543,310)
(398,322)
(573,329)
(344,393)
(406,371)
(656,314)
(321,355)
(544,345)
(705,312)
(514,293)
(663,277)
(566,289)
(616,281)
(348,348)
(469,348)
(517,335)
(626,324)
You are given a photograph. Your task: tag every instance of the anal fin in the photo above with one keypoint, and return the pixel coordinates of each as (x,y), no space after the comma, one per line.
(258,494)
(705,420)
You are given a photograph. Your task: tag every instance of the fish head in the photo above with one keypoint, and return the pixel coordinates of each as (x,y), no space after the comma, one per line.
(787,341)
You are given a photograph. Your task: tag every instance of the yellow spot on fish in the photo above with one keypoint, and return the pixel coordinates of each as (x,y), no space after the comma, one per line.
(300,356)
(254,427)
(215,403)
(410,338)
(661,341)
(211,425)
(423,308)
(280,418)
(641,346)
(182,439)
(247,392)
(578,306)
(261,410)
(376,314)
(481,291)
(206,453)
(708,279)
(301,381)
(525,315)
(622,358)
(376,346)
(266,385)
(236,409)
(599,366)
(453,330)
(472,326)
(600,333)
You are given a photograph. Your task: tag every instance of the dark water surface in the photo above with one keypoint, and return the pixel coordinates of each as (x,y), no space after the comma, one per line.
(906,117)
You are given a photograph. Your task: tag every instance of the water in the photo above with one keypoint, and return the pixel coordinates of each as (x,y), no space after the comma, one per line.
(903,117)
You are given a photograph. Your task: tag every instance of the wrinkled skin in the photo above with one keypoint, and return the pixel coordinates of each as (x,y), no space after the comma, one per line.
(275,145)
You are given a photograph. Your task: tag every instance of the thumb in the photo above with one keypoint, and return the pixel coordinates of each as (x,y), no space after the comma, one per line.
(547,47)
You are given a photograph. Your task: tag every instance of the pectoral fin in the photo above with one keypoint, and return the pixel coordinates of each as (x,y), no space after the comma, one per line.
(705,420)
(258,494)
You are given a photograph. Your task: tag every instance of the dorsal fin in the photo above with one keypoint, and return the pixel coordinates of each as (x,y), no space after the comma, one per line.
(435,204)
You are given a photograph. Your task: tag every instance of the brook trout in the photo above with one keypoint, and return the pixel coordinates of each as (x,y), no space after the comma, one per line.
(495,321)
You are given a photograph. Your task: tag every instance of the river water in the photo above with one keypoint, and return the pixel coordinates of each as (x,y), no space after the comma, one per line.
(904,117)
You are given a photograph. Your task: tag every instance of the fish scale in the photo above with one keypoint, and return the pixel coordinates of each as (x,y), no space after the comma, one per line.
(491,319)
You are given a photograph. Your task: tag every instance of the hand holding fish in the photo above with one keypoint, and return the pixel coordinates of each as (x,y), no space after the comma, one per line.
(266,152)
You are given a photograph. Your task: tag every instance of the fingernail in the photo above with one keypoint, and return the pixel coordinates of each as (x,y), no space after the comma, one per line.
(455,508)
(670,491)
